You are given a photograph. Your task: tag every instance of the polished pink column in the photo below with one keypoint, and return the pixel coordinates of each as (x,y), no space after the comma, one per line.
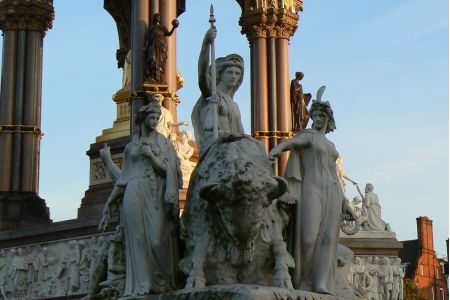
(260,77)
(140,11)
(168,10)
(283,95)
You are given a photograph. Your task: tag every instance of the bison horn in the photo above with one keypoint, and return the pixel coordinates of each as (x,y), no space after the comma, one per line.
(209,191)
(279,188)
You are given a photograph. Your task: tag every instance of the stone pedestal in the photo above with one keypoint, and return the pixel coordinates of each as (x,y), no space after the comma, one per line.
(100,180)
(376,252)
(373,243)
(22,209)
(235,292)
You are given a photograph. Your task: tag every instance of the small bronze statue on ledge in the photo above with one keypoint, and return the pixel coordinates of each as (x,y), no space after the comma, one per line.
(299,104)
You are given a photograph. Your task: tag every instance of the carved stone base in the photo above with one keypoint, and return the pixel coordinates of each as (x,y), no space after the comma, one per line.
(100,183)
(22,209)
(235,292)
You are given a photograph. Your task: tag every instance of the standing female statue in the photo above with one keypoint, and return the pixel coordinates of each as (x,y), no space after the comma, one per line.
(230,72)
(147,192)
(156,48)
(321,204)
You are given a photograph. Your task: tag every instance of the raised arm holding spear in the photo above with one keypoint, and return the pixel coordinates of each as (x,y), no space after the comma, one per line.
(213,103)
(215,110)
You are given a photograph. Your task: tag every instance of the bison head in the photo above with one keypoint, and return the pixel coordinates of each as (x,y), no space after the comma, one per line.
(241,197)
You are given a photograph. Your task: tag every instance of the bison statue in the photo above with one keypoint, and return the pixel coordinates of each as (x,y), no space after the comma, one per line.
(232,223)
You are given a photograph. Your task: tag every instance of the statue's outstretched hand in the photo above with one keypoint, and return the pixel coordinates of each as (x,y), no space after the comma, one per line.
(274,153)
(105,152)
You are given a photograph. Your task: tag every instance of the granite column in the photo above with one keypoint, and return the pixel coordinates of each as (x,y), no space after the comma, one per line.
(24,24)
(259,83)
(140,10)
(168,10)
(268,27)
(283,97)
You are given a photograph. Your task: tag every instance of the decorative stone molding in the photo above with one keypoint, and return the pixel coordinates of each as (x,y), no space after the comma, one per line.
(26,15)
(100,173)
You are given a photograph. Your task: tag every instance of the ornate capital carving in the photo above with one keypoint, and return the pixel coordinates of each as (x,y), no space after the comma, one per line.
(26,15)
(271,19)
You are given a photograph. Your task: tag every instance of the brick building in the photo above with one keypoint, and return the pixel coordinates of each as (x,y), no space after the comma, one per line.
(427,271)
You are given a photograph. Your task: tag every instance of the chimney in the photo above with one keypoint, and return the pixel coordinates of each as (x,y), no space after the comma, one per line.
(425,234)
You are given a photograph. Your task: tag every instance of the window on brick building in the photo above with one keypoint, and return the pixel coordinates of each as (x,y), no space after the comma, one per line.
(421,270)
(437,274)
(442,293)
(432,292)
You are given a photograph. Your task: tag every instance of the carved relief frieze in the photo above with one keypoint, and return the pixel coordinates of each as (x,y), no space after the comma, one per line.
(377,277)
(53,269)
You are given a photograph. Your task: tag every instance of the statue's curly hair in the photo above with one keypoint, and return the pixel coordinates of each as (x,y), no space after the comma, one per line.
(325,107)
(144,111)
(232,60)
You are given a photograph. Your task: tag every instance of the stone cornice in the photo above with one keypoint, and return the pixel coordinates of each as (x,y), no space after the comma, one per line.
(26,15)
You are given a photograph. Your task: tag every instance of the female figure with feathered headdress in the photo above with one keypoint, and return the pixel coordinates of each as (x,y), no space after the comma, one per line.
(320,201)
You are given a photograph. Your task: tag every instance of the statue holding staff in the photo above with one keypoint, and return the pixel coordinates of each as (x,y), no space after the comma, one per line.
(216,108)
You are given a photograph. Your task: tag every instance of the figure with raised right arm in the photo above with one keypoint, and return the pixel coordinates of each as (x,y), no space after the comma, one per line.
(156,48)
(321,206)
(229,73)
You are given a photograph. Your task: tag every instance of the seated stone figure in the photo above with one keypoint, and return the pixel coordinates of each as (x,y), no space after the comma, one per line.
(371,212)
(225,113)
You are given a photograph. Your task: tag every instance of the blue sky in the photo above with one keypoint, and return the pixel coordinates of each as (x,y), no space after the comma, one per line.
(385,65)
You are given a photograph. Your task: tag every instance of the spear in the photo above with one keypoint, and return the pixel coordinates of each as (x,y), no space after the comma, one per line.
(213,100)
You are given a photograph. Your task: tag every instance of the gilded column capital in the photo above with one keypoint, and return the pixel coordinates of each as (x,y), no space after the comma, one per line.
(253,24)
(26,15)
(286,24)
(275,19)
